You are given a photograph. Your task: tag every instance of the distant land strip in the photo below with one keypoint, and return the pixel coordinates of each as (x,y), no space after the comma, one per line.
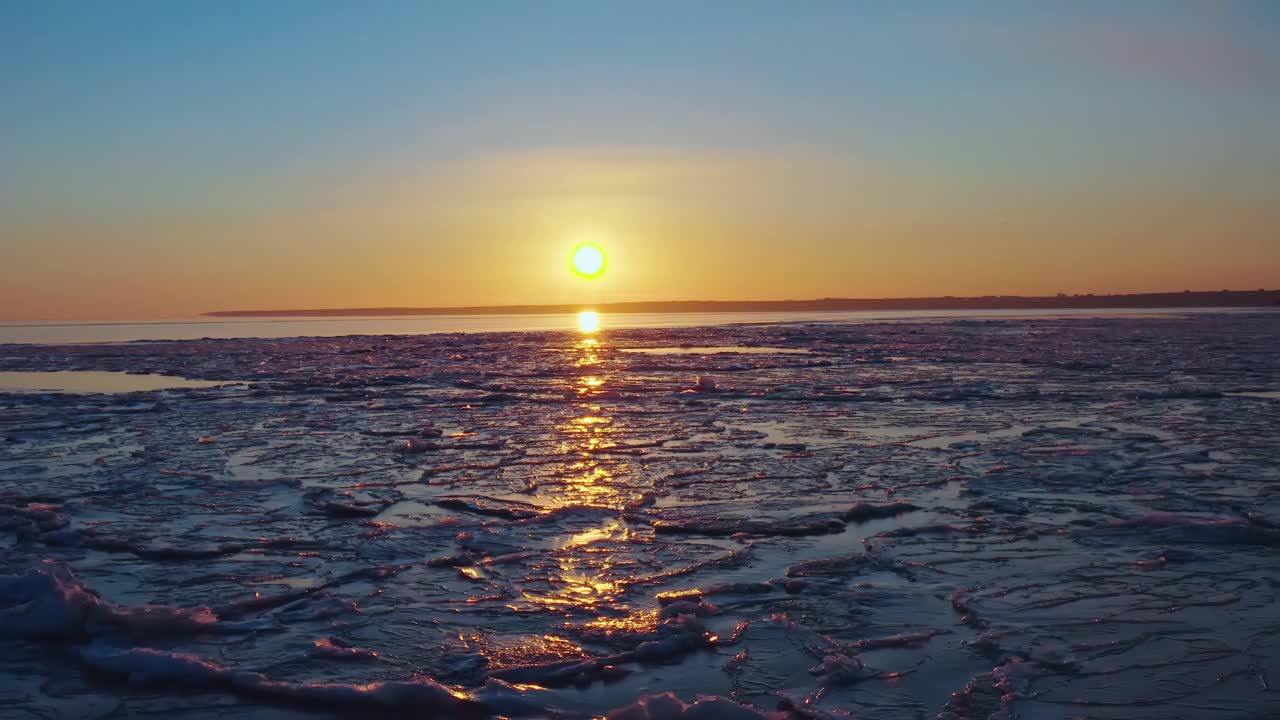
(1185,299)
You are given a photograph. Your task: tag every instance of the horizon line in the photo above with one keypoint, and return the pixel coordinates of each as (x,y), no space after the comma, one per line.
(1181,298)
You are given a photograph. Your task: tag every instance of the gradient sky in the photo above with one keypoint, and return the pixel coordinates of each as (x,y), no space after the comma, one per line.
(162,159)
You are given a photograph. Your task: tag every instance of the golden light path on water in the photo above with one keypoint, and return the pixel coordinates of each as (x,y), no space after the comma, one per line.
(585,575)
(589,573)
(589,479)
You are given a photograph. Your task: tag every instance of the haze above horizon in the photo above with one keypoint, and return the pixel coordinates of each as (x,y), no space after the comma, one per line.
(162,160)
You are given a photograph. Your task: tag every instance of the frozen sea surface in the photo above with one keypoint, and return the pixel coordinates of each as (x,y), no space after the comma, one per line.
(1006,518)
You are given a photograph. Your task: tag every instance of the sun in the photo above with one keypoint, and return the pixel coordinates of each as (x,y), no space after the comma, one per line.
(587,260)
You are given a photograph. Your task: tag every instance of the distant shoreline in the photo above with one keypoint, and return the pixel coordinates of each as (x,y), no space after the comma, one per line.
(1224,298)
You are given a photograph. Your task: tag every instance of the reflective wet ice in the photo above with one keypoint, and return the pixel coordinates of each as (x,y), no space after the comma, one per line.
(1041,518)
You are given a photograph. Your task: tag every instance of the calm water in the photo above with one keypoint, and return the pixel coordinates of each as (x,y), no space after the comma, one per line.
(195,329)
(96,381)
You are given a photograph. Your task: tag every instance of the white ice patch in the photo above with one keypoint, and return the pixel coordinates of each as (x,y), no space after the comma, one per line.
(49,601)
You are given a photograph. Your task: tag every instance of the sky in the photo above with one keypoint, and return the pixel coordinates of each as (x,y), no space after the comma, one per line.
(163,159)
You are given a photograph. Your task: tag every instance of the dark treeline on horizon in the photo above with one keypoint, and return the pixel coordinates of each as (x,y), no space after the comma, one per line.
(1184,299)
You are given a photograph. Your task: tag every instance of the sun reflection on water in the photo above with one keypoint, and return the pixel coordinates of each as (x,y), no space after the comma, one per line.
(588,321)
(591,566)
(589,572)
(642,621)
(522,650)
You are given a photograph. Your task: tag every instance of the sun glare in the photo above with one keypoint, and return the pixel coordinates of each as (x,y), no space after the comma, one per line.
(587,260)
(588,321)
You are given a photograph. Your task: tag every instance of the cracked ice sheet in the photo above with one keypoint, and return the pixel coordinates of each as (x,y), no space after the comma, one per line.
(1055,518)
